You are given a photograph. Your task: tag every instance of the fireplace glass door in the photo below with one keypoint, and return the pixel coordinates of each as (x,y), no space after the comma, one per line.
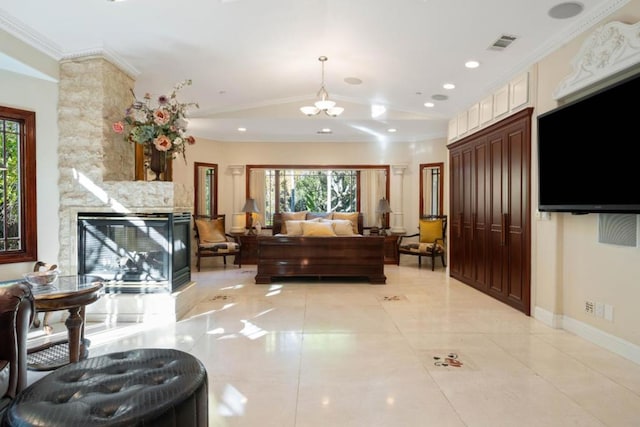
(135,253)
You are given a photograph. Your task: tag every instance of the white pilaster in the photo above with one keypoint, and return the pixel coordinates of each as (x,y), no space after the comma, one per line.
(397,216)
(238,218)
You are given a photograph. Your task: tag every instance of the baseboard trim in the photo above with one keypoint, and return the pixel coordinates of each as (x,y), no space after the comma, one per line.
(605,340)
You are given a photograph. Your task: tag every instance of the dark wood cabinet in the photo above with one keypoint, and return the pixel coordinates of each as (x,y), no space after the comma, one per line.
(248,248)
(391,249)
(490,235)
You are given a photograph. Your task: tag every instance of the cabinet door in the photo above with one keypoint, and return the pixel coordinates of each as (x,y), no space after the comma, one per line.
(480,214)
(461,258)
(455,216)
(509,250)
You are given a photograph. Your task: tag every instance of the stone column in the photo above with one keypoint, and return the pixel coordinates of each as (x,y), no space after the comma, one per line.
(96,166)
(238,219)
(397,202)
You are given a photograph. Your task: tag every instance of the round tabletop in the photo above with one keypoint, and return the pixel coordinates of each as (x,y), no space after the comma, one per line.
(67,292)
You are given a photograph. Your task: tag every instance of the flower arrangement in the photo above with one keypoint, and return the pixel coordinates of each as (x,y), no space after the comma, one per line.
(163,127)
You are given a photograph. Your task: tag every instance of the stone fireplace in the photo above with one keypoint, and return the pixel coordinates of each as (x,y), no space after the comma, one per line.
(96,176)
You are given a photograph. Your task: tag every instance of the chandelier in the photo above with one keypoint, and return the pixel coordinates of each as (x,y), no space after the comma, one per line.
(324,104)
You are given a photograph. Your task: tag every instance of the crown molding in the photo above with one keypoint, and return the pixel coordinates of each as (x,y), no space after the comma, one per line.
(107,54)
(611,48)
(34,39)
(581,25)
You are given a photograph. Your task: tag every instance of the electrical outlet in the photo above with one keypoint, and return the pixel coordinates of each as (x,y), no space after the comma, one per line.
(589,307)
(608,312)
(599,309)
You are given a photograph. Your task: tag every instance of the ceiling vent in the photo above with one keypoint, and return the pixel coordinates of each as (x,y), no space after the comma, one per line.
(503,42)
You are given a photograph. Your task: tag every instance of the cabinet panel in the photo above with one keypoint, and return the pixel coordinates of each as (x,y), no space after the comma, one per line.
(462,123)
(501,101)
(519,91)
(453,129)
(486,110)
(473,117)
(480,214)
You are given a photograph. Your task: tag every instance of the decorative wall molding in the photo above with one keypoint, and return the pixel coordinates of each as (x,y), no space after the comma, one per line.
(612,48)
(109,55)
(36,40)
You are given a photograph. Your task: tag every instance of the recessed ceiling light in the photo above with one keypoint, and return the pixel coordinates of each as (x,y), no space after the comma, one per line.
(391,130)
(377,110)
(449,86)
(439,97)
(352,80)
(324,130)
(566,10)
(429,104)
(472,64)
(242,129)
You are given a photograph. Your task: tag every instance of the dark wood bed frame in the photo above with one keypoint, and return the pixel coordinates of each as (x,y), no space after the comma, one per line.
(298,256)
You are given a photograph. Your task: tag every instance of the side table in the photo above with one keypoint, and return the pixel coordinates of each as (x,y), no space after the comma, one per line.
(71,293)
(249,248)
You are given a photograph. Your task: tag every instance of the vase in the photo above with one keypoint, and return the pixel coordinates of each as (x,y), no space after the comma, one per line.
(157,163)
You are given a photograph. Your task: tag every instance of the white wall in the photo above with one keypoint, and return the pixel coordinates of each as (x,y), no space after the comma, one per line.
(570,265)
(41,96)
(350,153)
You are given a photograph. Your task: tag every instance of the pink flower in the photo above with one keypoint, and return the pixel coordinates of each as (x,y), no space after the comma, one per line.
(118,127)
(190,140)
(161,116)
(162,143)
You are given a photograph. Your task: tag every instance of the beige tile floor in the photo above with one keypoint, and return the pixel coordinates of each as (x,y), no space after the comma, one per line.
(330,353)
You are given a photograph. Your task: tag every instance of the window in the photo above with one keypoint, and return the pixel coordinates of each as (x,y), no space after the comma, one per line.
(317,189)
(18,216)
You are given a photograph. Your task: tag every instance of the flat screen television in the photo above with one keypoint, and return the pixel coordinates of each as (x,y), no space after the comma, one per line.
(589,152)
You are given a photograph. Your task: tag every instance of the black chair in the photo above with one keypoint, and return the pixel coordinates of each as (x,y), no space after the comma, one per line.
(213,241)
(431,242)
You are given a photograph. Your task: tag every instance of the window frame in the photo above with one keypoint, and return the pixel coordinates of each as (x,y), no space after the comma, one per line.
(28,193)
(386,168)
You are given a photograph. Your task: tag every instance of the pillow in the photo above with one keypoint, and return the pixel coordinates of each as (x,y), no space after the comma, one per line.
(351,216)
(342,227)
(286,216)
(294,227)
(430,230)
(317,229)
(211,230)
(319,215)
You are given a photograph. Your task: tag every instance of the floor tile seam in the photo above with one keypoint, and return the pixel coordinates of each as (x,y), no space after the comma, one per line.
(558,387)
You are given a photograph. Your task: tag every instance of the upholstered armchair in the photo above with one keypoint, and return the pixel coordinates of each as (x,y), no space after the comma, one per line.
(212,241)
(17,311)
(431,241)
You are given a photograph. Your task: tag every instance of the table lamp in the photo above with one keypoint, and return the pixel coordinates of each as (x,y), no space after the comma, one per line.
(250,207)
(383,209)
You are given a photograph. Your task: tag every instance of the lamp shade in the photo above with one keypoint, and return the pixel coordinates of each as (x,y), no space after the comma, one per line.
(383,206)
(250,206)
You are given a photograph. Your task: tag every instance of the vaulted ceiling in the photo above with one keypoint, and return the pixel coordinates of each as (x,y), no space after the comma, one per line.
(254,63)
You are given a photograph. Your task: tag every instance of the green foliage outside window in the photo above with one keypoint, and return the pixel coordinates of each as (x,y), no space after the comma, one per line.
(9,186)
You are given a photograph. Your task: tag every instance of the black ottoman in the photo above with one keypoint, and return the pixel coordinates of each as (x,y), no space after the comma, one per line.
(145,387)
